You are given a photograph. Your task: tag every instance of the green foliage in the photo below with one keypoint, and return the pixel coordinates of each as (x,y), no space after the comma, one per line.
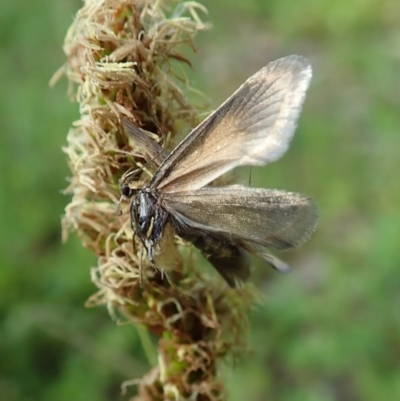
(331,329)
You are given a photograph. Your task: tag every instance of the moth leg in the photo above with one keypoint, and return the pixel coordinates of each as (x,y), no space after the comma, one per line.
(134,239)
(148,244)
(150,253)
(140,268)
(136,232)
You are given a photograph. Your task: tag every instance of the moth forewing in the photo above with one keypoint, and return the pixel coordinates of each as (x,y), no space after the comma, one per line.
(252,127)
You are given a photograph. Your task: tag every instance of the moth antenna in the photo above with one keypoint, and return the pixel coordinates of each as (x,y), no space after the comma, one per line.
(133,173)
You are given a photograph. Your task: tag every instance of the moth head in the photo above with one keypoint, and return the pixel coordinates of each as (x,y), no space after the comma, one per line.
(126,191)
(128,186)
(129,182)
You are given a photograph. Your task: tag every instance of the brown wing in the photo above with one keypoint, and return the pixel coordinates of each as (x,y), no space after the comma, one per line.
(246,216)
(153,151)
(253,127)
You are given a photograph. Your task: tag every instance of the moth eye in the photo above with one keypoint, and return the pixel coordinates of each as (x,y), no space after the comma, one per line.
(126,191)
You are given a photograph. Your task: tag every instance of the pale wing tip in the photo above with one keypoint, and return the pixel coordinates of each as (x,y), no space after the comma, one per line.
(296,65)
(295,62)
(300,68)
(292,76)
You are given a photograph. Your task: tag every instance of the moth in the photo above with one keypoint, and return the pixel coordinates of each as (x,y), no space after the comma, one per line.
(252,127)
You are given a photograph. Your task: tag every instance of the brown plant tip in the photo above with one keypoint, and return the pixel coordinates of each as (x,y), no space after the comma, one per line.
(125,59)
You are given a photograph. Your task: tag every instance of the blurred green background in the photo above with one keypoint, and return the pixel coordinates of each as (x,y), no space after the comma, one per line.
(331,329)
